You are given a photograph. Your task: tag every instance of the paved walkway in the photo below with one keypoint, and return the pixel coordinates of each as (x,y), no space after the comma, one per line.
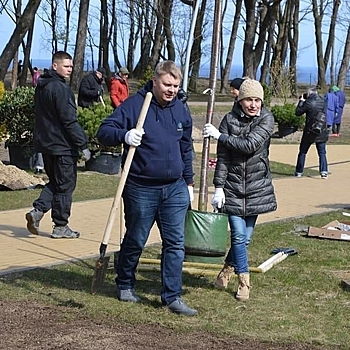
(296,197)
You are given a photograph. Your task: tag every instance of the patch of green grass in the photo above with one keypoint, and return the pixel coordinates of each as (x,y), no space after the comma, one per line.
(298,300)
(90,185)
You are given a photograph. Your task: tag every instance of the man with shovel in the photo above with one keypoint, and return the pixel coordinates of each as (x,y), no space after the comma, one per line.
(159,185)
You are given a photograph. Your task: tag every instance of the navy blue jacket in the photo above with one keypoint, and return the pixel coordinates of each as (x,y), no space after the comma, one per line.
(165,153)
(56,130)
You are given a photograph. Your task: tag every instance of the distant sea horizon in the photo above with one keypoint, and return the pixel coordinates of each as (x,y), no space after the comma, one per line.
(305,75)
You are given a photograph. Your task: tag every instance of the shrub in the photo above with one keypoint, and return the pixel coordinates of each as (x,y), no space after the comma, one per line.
(90,119)
(147,75)
(267,95)
(285,116)
(17,114)
(2,125)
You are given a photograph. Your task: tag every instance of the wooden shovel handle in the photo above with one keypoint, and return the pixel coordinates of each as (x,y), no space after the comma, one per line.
(125,172)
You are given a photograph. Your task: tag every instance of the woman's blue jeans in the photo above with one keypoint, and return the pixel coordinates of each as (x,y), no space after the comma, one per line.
(143,206)
(304,148)
(241,234)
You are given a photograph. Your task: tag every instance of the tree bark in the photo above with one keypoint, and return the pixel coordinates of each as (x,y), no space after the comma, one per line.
(196,51)
(231,47)
(17,36)
(80,44)
(344,66)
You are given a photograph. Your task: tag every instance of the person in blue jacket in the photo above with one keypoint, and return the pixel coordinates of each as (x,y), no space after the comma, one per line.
(332,104)
(338,117)
(159,186)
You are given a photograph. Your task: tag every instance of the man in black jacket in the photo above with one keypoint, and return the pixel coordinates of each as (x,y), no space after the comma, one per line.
(59,137)
(312,105)
(90,89)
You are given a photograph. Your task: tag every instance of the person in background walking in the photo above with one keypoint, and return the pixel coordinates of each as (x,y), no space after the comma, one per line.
(159,186)
(311,106)
(91,89)
(59,137)
(19,69)
(338,117)
(235,85)
(242,178)
(36,75)
(119,87)
(331,108)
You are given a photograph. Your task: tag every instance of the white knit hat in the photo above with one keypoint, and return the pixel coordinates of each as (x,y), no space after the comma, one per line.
(251,88)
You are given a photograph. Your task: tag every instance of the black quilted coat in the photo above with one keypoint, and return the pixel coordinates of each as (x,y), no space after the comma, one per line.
(242,167)
(313,104)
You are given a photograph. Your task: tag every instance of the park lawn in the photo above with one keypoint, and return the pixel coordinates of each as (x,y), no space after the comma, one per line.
(299,300)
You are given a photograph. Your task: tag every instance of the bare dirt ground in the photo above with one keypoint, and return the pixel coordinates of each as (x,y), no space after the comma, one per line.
(35,326)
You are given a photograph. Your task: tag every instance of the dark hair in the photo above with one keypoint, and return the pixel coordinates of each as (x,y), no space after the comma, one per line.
(182,95)
(61,55)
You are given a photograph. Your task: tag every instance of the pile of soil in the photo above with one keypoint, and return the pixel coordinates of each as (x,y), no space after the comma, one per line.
(13,178)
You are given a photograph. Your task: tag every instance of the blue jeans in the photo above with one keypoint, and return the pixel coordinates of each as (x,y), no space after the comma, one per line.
(167,207)
(304,148)
(241,234)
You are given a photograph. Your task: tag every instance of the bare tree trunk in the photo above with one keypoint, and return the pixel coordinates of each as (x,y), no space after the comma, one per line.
(131,49)
(252,52)
(269,45)
(146,35)
(17,36)
(167,10)
(321,68)
(80,44)
(157,38)
(331,35)
(231,47)
(68,11)
(344,66)
(196,51)
(293,39)
(104,38)
(15,77)
(26,56)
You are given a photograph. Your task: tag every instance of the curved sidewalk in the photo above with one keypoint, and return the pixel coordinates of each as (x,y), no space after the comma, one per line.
(296,197)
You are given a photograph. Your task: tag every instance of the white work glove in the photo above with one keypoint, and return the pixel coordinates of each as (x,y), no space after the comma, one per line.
(190,192)
(211,130)
(86,154)
(218,200)
(133,137)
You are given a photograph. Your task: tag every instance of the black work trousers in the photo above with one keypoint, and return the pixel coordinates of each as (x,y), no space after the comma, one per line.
(57,193)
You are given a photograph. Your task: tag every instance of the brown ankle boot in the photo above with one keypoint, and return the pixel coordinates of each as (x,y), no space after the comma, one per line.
(224,276)
(243,287)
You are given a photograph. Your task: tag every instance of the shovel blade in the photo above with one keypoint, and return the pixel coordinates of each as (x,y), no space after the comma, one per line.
(99,274)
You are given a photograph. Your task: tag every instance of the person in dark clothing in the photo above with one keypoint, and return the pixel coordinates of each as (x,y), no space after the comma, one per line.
(182,95)
(311,106)
(91,89)
(235,85)
(59,137)
(242,178)
(19,69)
(159,186)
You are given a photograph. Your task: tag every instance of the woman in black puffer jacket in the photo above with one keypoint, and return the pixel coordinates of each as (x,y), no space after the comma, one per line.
(242,179)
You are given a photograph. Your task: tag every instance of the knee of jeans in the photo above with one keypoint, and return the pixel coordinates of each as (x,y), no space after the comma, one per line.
(238,238)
